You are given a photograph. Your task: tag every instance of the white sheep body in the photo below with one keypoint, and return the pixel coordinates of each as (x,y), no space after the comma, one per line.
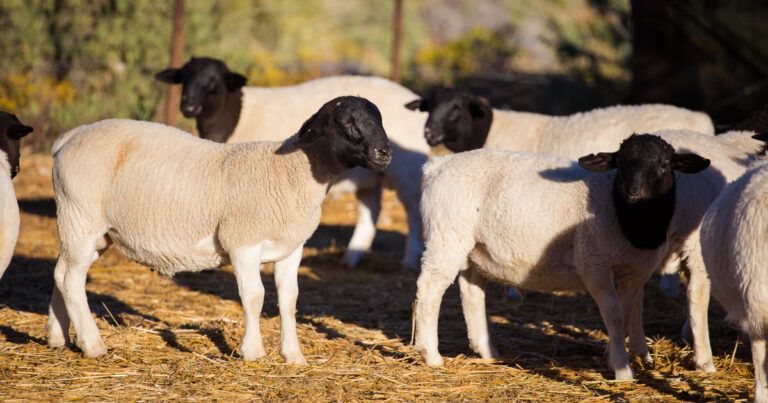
(541,223)
(9,215)
(169,224)
(734,236)
(576,135)
(275,113)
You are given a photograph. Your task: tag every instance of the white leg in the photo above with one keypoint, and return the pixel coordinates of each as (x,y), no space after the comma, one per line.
(761,372)
(600,285)
(70,275)
(633,308)
(414,243)
(247,265)
(472,287)
(405,174)
(57,327)
(286,279)
(698,306)
(58,323)
(368,209)
(433,281)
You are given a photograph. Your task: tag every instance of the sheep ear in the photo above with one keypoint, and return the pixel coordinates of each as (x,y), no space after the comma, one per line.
(170,76)
(18,131)
(600,162)
(234,81)
(313,125)
(478,107)
(761,136)
(689,163)
(417,105)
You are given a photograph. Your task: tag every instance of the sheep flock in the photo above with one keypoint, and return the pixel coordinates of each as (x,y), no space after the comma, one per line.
(256,289)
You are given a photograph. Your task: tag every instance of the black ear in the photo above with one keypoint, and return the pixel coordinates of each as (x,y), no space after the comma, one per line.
(478,107)
(18,131)
(600,162)
(170,76)
(314,124)
(761,136)
(417,105)
(689,163)
(234,81)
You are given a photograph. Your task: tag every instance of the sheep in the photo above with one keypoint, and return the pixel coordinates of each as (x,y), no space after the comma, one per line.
(11,133)
(122,182)
(226,111)
(462,121)
(734,234)
(540,223)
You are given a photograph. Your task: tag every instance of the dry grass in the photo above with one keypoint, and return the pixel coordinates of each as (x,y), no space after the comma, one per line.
(176,338)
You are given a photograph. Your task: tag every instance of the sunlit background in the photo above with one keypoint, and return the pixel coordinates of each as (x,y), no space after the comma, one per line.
(68,62)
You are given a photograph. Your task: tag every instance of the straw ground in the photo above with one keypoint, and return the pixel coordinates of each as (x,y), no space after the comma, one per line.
(176,338)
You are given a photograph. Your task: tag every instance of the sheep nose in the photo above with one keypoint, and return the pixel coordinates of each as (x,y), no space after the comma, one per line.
(382,153)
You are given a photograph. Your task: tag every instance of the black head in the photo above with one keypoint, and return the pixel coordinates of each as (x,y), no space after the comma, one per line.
(205,83)
(457,119)
(645,167)
(352,127)
(11,132)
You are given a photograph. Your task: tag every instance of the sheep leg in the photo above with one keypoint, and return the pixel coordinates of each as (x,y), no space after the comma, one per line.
(286,279)
(247,265)
(472,286)
(414,243)
(404,172)
(368,209)
(698,305)
(70,275)
(600,285)
(632,303)
(58,323)
(433,281)
(761,372)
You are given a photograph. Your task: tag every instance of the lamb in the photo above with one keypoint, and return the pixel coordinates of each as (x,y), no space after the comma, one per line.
(226,111)
(463,121)
(122,182)
(11,133)
(506,225)
(734,234)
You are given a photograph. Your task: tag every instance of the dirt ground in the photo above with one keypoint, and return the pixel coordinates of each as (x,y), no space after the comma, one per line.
(176,338)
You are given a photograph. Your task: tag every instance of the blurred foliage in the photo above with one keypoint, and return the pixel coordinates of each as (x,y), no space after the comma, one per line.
(68,62)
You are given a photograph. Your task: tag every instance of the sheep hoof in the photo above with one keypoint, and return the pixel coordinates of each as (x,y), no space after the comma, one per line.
(93,349)
(294,358)
(624,374)
(433,360)
(708,366)
(56,342)
(249,354)
(353,257)
(56,339)
(647,359)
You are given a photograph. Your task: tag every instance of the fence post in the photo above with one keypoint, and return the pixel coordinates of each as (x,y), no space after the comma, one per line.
(177,48)
(397,30)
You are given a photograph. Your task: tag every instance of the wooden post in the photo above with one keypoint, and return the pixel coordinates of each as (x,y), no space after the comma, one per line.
(177,48)
(397,30)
